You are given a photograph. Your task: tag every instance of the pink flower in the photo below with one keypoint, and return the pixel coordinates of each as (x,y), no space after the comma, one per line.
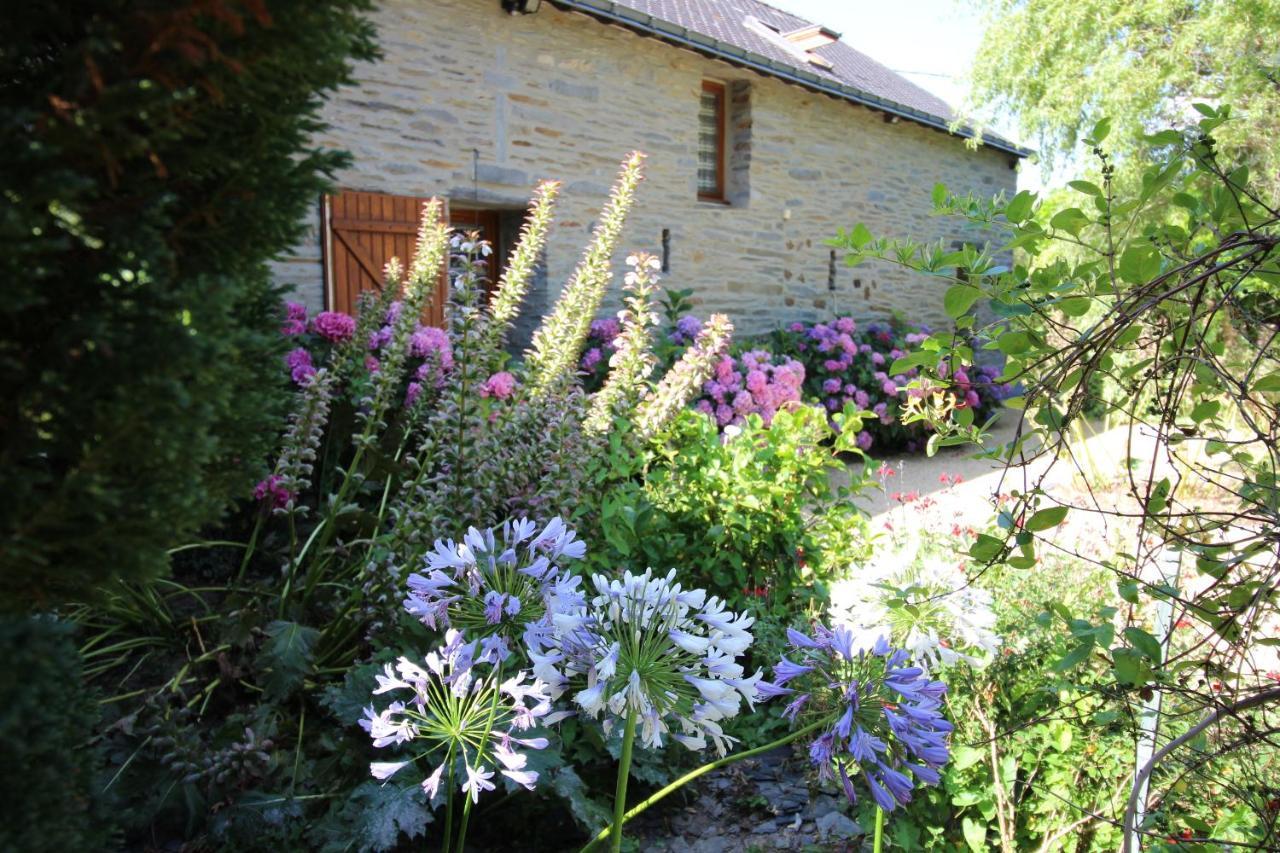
(889,388)
(500,386)
(971,397)
(797,327)
(412,393)
(724,414)
(705,407)
(831,386)
(756,381)
(371,364)
(273,491)
(845,325)
(334,326)
(299,363)
(429,339)
(295,322)
(877,359)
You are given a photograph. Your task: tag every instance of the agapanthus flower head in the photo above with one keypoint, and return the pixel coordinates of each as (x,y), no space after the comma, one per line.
(499,585)
(879,719)
(645,646)
(453,704)
(948,619)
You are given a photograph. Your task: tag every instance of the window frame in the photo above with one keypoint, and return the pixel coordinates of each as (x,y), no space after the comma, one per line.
(721,92)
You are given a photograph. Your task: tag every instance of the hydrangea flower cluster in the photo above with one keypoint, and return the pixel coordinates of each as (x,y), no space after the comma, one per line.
(499,386)
(295,321)
(456,708)
(686,330)
(847,365)
(298,360)
(499,585)
(756,382)
(924,602)
(334,326)
(879,718)
(600,345)
(644,646)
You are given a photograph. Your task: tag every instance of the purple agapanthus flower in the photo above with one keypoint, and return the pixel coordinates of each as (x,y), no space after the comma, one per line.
(880,719)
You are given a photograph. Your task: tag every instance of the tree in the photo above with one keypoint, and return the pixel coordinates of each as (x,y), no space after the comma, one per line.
(1161,310)
(1061,65)
(157,154)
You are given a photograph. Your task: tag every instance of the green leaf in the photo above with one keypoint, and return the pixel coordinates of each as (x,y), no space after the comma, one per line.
(1205,110)
(1139,264)
(1075,306)
(986,548)
(1070,220)
(1046,519)
(1130,667)
(1100,132)
(1076,656)
(1270,382)
(1019,207)
(286,657)
(1128,591)
(373,818)
(1145,643)
(1204,410)
(1086,187)
(959,299)
(859,236)
(939,195)
(1012,343)
(963,757)
(975,834)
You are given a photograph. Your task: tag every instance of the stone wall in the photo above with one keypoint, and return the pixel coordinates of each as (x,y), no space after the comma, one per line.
(477,105)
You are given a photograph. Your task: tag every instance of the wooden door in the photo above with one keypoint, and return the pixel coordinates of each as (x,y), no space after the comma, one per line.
(364,231)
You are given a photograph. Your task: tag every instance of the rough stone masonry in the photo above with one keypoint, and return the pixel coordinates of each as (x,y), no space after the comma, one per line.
(476,105)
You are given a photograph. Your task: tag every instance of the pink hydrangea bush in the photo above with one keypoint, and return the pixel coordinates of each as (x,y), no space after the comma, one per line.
(756,382)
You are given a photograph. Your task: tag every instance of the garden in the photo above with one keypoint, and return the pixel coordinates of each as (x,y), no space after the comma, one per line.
(286,579)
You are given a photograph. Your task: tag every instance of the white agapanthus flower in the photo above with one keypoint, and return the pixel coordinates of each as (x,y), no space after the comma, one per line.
(643,645)
(922,604)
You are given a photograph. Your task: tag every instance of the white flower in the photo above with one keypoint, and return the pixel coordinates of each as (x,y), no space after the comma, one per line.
(385,769)
(643,645)
(949,619)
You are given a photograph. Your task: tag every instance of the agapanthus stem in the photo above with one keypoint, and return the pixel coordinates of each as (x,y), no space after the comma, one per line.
(624,771)
(699,771)
(878,841)
(480,752)
(448,808)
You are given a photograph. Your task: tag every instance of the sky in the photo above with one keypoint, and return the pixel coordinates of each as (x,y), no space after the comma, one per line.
(930,42)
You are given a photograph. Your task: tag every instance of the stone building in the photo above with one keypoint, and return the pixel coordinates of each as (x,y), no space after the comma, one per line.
(764,133)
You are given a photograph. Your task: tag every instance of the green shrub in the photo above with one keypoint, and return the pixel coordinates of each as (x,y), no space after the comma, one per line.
(157,155)
(50,793)
(753,517)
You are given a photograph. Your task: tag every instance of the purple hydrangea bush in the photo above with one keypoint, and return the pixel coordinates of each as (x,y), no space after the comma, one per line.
(848,365)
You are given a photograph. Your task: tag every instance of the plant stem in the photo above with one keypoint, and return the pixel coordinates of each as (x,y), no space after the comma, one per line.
(253,542)
(878,843)
(448,809)
(620,794)
(480,751)
(699,771)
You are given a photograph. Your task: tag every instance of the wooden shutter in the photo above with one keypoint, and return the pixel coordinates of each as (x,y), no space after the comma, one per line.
(365,230)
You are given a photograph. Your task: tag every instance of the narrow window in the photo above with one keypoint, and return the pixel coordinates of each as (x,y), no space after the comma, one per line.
(712,130)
